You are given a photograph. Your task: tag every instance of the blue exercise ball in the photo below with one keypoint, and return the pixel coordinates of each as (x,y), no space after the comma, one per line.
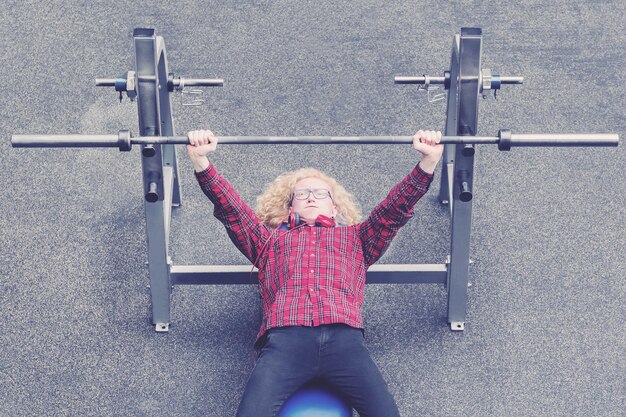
(315,401)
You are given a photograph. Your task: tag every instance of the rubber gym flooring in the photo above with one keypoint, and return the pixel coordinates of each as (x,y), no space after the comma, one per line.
(544,330)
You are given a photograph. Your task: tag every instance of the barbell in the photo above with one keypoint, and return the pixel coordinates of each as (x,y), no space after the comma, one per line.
(124,140)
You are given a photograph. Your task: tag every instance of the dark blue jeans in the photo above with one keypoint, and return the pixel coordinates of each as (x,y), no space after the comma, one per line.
(336,354)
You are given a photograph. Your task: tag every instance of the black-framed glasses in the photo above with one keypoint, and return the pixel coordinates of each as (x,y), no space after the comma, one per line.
(319,193)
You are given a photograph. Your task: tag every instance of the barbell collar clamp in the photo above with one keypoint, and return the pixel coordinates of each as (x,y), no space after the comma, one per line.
(446,79)
(122,84)
(504,139)
(124,140)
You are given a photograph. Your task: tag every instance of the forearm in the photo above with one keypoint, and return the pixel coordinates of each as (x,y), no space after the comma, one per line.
(200,163)
(392,213)
(428,165)
(242,224)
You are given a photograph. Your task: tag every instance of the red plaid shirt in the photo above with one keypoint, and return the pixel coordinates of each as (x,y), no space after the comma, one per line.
(311,276)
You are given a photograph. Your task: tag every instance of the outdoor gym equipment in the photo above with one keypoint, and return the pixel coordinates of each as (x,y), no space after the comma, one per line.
(151,84)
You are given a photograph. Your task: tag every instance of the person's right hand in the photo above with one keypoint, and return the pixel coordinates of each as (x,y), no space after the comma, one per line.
(201,143)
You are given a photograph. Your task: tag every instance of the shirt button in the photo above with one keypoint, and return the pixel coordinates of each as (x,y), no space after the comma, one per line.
(312,270)
(310,289)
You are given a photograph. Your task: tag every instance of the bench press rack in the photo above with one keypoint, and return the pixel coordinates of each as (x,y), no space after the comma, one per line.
(151,84)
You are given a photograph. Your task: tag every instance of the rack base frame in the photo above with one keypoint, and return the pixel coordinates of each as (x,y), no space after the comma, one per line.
(155,118)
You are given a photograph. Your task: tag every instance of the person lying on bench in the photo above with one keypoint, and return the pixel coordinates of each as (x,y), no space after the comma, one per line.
(312,251)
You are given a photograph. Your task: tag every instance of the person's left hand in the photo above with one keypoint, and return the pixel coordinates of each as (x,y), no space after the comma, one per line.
(426,142)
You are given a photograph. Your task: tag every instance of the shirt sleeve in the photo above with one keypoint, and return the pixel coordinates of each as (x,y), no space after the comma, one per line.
(241,222)
(382,225)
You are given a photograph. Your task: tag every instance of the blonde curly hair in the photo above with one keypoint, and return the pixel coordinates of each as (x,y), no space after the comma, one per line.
(273,205)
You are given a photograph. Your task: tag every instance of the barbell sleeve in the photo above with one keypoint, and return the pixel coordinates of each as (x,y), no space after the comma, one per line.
(106,82)
(401,79)
(65,141)
(199,82)
(550,140)
(180,83)
(504,79)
